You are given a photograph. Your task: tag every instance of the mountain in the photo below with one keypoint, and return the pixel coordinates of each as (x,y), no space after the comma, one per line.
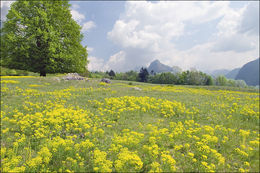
(249,73)
(158,67)
(219,72)
(233,73)
(137,68)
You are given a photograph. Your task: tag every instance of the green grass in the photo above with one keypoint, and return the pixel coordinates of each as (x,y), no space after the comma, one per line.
(79,126)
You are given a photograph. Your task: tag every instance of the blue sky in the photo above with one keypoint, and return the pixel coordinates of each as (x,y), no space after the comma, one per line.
(104,14)
(123,35)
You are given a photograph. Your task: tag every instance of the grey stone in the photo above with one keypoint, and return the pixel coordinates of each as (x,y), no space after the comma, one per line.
(136,88)
(106,80)
(73,76)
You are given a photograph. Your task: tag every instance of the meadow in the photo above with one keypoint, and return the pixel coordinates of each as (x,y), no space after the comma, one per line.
(89,126)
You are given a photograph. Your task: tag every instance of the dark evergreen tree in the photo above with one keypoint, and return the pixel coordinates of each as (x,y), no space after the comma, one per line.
(209,80)
(143,75)
(112,73)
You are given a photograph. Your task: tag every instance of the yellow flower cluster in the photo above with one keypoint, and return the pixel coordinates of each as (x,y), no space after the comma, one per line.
(115,106)
(128,161)
(101,164)
(129,139)
(9,82)
(17,77)
(35,85)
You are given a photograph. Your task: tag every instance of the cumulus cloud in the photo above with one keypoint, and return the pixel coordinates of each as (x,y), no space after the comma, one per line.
(115,62)
(237,30)
(250,20)
(146,31)
(90,49)
(95,64)
(236,43)
(80,18)
(88,25)
(77,16)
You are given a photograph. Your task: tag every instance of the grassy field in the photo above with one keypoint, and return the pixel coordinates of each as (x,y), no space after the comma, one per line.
(86,126)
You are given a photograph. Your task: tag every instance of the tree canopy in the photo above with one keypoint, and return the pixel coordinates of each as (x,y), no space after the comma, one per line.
(41,36)
(143,75)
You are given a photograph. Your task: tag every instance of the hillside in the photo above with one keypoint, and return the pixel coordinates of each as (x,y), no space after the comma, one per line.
(249,73)
(219,72)
(157,67)
(233,73)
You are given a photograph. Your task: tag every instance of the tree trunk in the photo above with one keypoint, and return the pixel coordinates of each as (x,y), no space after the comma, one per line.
(43,73)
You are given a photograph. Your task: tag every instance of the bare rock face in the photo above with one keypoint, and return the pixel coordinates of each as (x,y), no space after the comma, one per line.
(106,80)
(73,76)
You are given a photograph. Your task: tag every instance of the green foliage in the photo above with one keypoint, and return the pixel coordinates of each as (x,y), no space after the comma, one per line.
(143,75)
(112,74)
(13,72)
(86,73)
(221,81)
(163,78)
(197,78)
(209,81)
(98,75)
(129,76)
(236,83)
(184,78)
(41,36)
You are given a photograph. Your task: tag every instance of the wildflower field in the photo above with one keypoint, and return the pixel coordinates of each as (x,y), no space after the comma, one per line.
(88,126)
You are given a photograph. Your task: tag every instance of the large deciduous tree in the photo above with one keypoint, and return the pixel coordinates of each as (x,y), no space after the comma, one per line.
(41,36)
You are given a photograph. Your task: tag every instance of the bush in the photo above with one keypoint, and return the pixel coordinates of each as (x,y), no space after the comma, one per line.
(221,81)
(22,73)
(129,76)
(11,72)
(163,78)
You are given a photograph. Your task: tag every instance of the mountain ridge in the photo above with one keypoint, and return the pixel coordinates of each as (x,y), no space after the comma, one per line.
(157,67)
(249,73)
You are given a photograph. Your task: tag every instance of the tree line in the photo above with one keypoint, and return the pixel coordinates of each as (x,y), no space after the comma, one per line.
(189,77)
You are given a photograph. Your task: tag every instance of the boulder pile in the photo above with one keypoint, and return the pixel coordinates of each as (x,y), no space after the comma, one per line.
(73,76)
(106,80)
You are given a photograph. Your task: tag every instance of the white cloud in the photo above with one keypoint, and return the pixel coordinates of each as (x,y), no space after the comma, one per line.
(90,49)
(235,42)
(146,30)
(77,16)
(116,62)
(88,25)
(250,20)
(5,6)
(233,30)
(95,64)
(230,22)
(205,59)
(80,18)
